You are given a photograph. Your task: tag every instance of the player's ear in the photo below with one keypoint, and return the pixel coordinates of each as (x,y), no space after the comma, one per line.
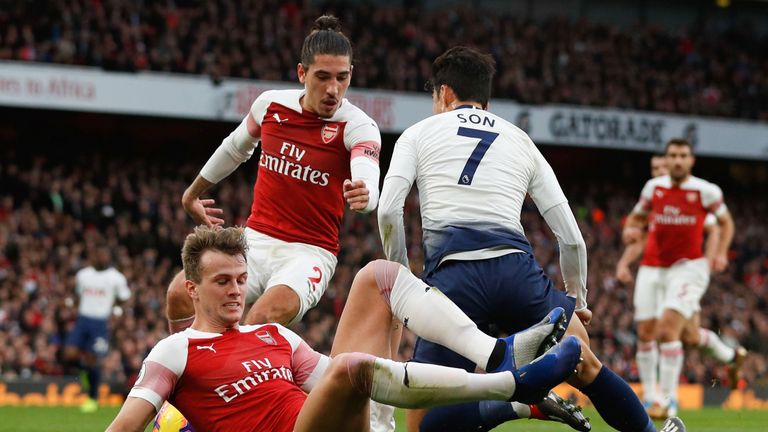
(301,73)
(192,289)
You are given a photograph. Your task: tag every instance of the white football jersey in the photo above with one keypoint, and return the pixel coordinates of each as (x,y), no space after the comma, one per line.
(98,290)
(473,168)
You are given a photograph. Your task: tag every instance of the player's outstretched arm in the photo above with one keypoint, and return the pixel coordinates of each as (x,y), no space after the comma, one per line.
(135,415)
(199,209)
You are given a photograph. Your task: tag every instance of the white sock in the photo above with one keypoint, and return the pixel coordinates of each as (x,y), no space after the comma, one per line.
(671,364)
(419,385)
(647,358)
(430,314)
(382,417)
(522,410)
(710,343)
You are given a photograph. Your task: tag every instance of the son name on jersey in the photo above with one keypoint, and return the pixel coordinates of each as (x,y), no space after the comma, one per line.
(475,118)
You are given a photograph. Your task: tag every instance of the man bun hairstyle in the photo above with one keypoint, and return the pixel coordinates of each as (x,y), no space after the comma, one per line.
(325,38)
(467,71)
(230,241)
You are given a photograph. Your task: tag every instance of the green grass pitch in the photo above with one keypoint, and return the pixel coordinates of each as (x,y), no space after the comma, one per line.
(32,419)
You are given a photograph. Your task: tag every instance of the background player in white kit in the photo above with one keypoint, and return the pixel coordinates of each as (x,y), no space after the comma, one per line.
(675,207)
(226,377)
(473,170)
(97,287)
(312,142)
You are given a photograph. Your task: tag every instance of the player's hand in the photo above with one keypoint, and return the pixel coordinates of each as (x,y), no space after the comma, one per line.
(719,263)
(585,316)
(356,194)
(623,273)
(201,211)
(631,234)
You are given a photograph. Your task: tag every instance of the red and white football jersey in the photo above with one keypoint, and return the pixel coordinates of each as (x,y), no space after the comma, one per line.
(304,161)
(676,216)
(251,378)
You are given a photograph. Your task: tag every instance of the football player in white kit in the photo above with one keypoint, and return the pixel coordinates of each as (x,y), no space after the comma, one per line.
(98,286)
(473,170)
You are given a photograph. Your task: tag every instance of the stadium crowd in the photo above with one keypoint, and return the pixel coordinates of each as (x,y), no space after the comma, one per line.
(705,70)
(52,212)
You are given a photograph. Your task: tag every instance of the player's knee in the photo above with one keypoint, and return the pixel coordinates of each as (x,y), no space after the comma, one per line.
(690,338)
(178,303)
(646,333)
(668,332)
(354,370)
(384,275)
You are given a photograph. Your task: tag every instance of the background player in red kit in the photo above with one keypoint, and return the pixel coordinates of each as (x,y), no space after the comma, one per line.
(675,207)
(648,297)
(313,141)
(224,377)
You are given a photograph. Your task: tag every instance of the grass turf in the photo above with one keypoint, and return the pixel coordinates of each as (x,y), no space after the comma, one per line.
(34,419)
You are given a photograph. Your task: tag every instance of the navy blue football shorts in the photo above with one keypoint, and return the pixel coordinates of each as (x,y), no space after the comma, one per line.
(510,293)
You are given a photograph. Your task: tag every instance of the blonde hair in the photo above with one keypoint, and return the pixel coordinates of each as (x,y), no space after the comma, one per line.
(230,241)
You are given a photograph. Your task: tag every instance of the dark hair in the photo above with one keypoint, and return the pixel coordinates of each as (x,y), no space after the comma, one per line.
(230,241)
(467,71)
(678,142)
(325,38)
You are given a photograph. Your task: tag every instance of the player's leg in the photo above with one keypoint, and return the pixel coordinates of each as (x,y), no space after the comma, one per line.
(178,305)
(685,284)
(295,275)
(279,304)
(647,300)
(382,289)
(502,289)
(488,414)
(614,400)
(671,362)
(710,343)
(97,346)
(338,401)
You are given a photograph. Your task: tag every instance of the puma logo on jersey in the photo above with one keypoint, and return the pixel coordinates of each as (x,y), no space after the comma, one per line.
(278,119)
(208,347)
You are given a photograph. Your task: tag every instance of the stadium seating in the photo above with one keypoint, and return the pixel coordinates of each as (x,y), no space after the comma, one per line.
(709,72)
(53,211)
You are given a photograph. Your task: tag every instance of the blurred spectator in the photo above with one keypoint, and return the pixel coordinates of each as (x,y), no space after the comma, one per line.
(705,71)
(53,212)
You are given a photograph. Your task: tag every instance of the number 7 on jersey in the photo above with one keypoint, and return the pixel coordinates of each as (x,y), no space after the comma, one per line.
(486,139)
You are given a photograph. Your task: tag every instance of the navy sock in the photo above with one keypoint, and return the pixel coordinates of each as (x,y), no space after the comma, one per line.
(472,416)
(617,404)
(94,379)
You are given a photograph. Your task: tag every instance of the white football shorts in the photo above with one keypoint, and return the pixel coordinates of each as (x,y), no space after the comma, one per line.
(678,287)
(306,269)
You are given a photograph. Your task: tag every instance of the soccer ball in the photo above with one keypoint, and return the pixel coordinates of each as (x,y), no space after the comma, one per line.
(169,419)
